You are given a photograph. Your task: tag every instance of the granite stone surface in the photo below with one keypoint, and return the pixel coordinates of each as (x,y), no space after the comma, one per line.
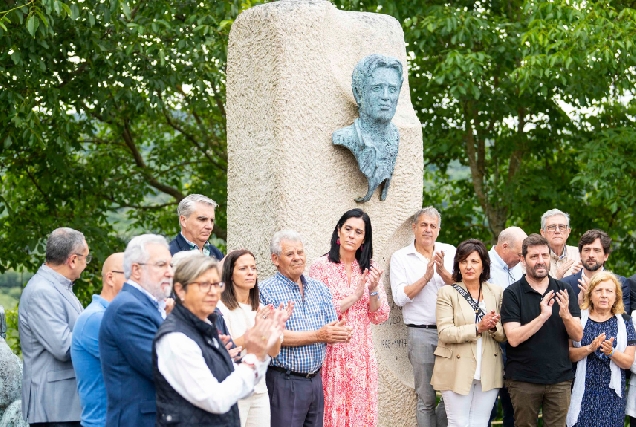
(288,89)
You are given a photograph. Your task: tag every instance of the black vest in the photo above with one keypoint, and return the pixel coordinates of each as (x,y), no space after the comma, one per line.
(172,408)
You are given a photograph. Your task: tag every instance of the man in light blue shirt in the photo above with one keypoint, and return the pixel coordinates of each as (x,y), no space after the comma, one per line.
(505,257)
(85,349)
(505,269)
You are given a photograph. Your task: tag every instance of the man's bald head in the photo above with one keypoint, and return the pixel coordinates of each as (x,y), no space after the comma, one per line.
(113,276)
(509,245)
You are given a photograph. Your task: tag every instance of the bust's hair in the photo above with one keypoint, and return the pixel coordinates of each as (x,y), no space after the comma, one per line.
(365,68)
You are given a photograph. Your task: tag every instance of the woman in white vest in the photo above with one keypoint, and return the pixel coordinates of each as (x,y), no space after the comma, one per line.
(607,348)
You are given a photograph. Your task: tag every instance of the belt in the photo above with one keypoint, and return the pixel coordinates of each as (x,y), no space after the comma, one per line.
(296,374)
(421,326)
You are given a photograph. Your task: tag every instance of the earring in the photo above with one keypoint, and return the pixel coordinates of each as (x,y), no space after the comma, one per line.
(338,242)
(362,246)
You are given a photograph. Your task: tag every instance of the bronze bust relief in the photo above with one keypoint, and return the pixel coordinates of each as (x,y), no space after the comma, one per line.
(372,138)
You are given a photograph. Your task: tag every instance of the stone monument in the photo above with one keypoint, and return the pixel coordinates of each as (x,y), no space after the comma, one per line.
(288,89)
(10,387)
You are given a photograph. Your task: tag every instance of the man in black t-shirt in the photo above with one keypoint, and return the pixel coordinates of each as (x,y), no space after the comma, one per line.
(540,315)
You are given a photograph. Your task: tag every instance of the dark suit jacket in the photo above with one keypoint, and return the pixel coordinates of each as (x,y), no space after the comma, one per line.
(179,244)
(573,281)
(125,346)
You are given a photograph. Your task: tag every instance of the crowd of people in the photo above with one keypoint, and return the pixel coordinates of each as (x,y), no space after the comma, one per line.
(183,335)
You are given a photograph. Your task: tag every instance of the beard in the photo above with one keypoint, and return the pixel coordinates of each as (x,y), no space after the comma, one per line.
(595,267)
(532,272)
(156,290)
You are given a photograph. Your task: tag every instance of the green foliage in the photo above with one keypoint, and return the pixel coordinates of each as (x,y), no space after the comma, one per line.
(111,111)
(120,105)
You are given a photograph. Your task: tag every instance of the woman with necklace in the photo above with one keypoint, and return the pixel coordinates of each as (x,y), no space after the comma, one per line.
(468,362)
(350,371)
(606,350)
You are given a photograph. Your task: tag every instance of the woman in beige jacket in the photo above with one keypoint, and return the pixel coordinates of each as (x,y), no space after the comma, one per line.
(468,362)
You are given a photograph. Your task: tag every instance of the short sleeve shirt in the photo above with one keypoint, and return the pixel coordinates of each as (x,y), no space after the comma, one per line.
(544,357)
(312,310)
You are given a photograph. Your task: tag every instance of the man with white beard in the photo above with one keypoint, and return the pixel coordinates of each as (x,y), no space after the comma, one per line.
(128,329)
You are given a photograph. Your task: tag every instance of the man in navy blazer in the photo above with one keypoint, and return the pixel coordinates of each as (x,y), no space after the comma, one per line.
(128,329)
(594,248)
(196,218)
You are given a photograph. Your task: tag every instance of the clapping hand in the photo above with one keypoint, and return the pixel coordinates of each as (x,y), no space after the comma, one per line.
(596,343)
(489,321)
(546,304)
(583,282)
(374,278)
(563,299)
(563,268)
(438,257)
(607,347)
(362,285)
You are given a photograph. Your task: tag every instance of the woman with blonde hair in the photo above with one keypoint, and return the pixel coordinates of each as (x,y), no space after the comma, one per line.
(607,348)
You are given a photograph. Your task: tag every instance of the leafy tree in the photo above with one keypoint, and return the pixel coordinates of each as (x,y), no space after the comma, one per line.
(104,106)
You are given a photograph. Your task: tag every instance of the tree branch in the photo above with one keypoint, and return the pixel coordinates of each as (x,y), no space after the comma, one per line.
(145,170)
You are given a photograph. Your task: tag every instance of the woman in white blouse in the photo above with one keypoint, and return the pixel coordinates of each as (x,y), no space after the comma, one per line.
(196,381)
(240,306)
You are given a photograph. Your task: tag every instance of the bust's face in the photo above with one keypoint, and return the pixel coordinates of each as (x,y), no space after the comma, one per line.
(381,94)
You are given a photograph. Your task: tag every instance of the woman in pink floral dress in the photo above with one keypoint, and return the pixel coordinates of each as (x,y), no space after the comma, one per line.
(350,371)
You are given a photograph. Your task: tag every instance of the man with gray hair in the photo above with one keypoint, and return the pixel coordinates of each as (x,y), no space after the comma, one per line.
(128,329)
(555,228)
(196,218)
(294,382)
(47,315)
(418,271)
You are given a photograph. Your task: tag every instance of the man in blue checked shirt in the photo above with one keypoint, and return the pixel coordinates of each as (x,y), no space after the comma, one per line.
(294,383)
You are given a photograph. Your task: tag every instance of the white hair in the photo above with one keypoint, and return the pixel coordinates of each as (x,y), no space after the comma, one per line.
(279,236)
(136,251)
(179,257)
(186,206)
(428,211)
(554,212)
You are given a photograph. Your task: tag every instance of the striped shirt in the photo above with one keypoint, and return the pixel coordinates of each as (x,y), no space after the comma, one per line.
(311,312)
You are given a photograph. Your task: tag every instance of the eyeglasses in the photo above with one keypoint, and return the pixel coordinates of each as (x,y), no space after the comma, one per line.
(89,257)
(115,271)
(552,228)
(205,286)
(158,264)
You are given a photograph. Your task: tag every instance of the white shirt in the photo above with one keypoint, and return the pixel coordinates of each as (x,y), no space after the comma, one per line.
(479,351)
(408,266)
(161,305)
(238,321)
(181,363)
(500,274)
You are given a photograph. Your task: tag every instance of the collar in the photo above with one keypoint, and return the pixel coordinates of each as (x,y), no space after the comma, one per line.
(53,275)
(101,301)
(193,246)
(496,257)
(411,249)
(143,291)
(290,282)
(526,288)
(563,255)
